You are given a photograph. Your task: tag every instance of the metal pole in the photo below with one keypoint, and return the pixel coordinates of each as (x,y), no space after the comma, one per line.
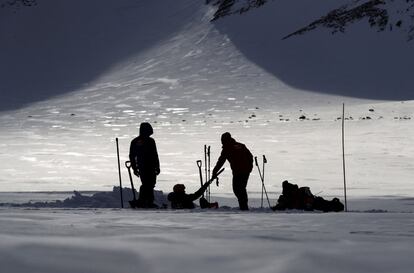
(205,168)
(119,173)
(208,172)
(261,179)
(343,153)
(263,184)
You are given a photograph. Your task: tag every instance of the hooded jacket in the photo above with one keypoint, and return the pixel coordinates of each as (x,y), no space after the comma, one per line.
(239,157)
(143,151)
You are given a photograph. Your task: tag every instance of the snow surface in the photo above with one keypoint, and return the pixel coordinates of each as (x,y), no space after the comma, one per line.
(76,74)
(105,240)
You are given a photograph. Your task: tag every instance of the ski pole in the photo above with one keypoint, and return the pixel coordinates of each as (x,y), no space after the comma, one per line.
(205,171)
(260,174)
(119,172)
(199,164)
(262,179)
(264,188)
(128,165)
(208,172)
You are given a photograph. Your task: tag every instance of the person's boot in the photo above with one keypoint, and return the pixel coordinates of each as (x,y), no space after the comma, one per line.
(243,205)
(153,206)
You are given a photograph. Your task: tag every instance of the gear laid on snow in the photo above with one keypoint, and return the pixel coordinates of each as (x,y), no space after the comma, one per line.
(294,197)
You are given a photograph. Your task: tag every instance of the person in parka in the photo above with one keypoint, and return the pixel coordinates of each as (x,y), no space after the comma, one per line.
(241,163)
(181,200)
(145,163)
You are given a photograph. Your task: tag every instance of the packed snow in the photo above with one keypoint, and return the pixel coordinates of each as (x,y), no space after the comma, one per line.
(77,74)
(130,241)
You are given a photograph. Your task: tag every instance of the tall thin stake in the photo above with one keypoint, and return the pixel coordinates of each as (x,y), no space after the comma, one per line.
(119,173)
(262,177)
(264,188)
(208,171)
(343,153)
(205,167)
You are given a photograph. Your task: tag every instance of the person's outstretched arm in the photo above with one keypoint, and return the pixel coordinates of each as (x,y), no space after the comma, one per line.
(199,193)
(220,162)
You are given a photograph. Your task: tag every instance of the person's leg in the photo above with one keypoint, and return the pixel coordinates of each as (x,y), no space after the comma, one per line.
(239,189)
(146,192)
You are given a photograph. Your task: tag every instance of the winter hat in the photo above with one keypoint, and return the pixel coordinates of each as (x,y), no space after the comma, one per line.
(226,138)
(145,129)
(179,188)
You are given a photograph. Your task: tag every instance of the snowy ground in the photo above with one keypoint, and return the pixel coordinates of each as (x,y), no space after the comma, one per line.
(128,241)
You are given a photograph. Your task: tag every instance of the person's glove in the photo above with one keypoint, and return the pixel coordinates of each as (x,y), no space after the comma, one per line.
(157,171)
(136,172)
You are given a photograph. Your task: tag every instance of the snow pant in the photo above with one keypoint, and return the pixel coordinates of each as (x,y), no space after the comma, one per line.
(239,189)
(146,191)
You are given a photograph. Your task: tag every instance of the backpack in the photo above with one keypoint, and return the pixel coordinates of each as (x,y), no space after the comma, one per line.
(294,197)
(327,206)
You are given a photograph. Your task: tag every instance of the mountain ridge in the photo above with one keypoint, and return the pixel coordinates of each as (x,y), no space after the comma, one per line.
(378,13)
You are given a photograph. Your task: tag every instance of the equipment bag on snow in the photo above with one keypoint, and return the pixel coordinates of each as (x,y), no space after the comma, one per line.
(294,197)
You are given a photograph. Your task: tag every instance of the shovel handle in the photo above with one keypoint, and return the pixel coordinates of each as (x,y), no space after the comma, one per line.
(128,164)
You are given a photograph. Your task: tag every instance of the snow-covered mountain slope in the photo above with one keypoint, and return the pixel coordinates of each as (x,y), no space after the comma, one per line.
(77,74)
(56,47)
(364,63)
(382,15)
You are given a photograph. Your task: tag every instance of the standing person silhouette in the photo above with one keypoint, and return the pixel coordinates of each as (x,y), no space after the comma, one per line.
(241,163)
(145,163)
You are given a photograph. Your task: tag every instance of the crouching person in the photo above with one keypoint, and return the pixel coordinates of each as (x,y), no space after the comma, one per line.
(181,200)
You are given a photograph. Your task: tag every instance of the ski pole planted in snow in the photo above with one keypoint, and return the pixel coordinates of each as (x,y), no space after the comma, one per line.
(343,153)
(205,168)
(119,172)
(263,176)
(208,171)
(262,179)
(260,174)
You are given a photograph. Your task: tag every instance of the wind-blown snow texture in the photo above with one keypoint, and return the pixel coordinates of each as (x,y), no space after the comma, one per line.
(127,241)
